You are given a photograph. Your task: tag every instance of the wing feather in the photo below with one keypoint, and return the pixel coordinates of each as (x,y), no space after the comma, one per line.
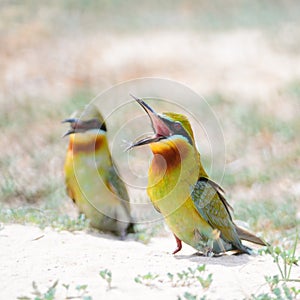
(117,186)
(210,202)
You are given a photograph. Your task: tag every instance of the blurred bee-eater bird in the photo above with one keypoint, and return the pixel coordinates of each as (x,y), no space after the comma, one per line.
(90,174)
(193,206)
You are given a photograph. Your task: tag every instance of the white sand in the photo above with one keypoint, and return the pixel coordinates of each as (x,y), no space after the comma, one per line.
(30,254)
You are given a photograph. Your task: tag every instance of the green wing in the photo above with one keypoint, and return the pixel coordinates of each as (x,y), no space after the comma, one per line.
(209,200)
(117,186)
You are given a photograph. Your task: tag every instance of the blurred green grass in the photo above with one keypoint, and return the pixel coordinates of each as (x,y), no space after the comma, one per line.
(135,15)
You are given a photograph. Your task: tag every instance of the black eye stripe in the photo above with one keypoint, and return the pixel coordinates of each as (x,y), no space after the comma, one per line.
(82,126)
(103,127)
(178,129)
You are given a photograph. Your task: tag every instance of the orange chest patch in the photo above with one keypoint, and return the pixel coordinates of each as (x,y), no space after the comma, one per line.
(88,146)
(168,156)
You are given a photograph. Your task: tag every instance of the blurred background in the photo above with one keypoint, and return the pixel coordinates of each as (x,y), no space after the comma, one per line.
(242,56)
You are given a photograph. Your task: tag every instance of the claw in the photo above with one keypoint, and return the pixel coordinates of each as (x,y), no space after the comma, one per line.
(209,252)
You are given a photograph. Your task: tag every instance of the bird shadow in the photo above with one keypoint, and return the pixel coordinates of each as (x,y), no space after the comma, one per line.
(230,258)
(227,259)
(109,235)
(104,235)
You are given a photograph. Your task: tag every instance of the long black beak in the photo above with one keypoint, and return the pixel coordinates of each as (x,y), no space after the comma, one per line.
(73,122)
(78,125)
(144,105)
(161,130)
(70,120)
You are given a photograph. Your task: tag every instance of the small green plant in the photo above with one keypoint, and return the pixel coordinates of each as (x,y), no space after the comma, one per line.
(284,259)
(147,279)
(48,295)
(82,293)
(278,284)
(107,276)
(189,296)
(190,277)
(277,291)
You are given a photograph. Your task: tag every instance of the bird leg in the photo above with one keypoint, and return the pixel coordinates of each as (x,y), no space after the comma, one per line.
(122,234)
(179,244)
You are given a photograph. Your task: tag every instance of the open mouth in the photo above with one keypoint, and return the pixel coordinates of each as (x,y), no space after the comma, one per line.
(78,125)
(147,140)
(73,124)
(161,130)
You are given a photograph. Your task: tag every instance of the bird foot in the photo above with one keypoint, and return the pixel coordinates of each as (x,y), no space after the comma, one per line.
(122,234)
(179,245)
(209,252)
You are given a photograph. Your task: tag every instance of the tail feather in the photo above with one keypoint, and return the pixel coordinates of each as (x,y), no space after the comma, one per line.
(248,236)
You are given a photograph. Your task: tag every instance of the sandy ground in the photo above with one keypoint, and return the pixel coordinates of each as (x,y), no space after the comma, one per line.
(30,254)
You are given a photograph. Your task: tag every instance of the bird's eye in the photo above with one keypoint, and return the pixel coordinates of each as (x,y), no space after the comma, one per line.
(177,126)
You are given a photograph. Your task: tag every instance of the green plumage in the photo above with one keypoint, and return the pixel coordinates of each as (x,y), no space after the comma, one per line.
(213,207)
(91,178)
(193,206)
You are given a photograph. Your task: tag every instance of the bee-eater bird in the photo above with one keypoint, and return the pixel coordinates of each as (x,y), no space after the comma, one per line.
(90,174)
(193,206)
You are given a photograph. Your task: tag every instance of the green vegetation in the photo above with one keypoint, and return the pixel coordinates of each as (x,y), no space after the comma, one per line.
(143,233)
(189,277)
(120,17)
(43,218)
(82,292)
(278,291)
(280,285)
(293,89)
(147,279)
(50,294)
(189,296)
(284,259)
(107,276)
(268,215)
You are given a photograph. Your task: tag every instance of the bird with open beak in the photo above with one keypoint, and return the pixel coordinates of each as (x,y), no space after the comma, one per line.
(90,174)
(193,206)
